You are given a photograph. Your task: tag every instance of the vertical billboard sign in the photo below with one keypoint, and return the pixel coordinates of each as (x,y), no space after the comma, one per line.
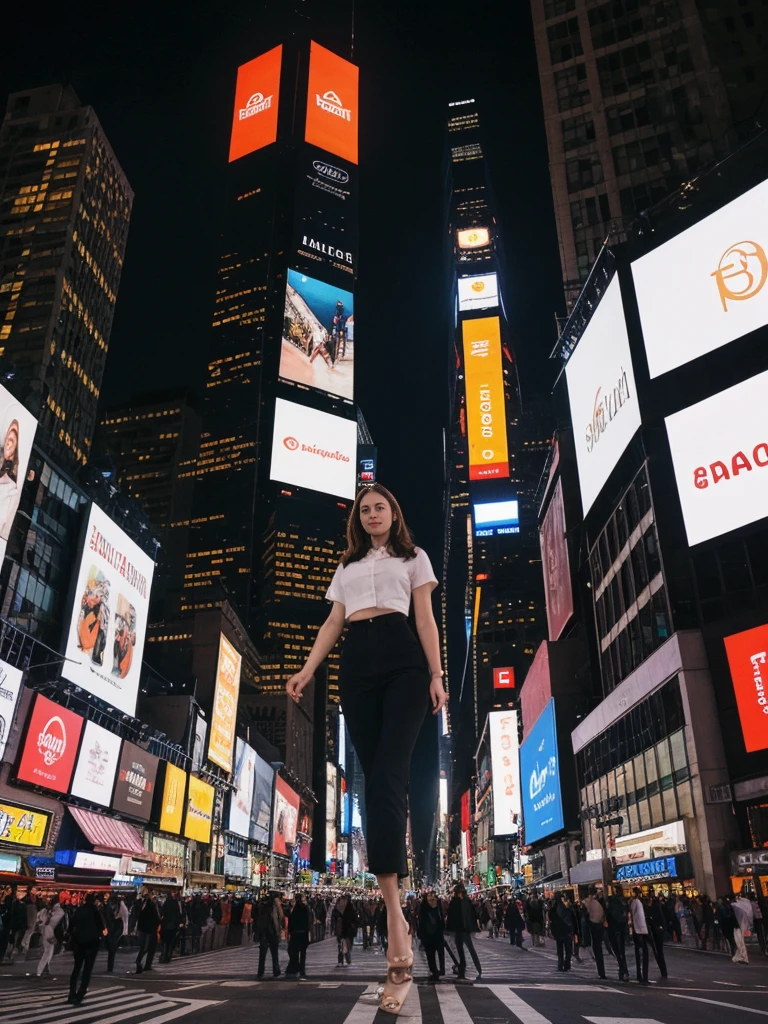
(331,776)
(224,716)
(261,813)
(332,103)
(557,569)
(505,772)
(747,653)
(486,415)
(174,790)
(286,817)
(540,778)
(314,449)
(241,800)
(198,820)
(135,788)
(10,688)
(18,432)
(97,765)
(105,639)
(257,95)
(318,335)
(50,747)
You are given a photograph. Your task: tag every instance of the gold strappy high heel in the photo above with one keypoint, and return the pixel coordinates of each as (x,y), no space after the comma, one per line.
(400,977)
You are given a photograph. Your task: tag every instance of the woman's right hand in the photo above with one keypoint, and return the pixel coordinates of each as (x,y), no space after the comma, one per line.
(296,685)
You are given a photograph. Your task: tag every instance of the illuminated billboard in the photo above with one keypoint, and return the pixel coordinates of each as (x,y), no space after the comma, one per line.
(198,821)
(540,778)
(505,772)
(747,653)
(367,458)
(17,431)
(486,416)
(257,95)
(174,791)
(601,390)
(478,292)
(503,679)
(97,764)
(557,569)
(495,518)
(10,688)
(50,747)
(318,343)
(332,103)
(330,177)
(285,818)
(105,639)
(473,238)
(720,457)
(135,787)
(221,746)
(261,812)
(24,826)
(705,287)
(241,800)
(314,449)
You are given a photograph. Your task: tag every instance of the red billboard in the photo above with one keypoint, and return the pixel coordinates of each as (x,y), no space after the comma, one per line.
(557,568)
(536,689)
(747,654)
(257,92)
(332,103)
(465,812)
(50,748)
(503,679)
(286,817)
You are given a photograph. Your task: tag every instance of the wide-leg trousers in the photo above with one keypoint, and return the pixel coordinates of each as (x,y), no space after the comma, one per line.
(384,689)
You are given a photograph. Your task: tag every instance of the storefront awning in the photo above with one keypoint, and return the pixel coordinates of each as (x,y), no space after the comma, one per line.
(107,834)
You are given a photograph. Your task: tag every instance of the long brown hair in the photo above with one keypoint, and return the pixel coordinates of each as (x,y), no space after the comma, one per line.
(359,542)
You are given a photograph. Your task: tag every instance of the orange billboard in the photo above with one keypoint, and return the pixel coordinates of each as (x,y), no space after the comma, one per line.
(254,122)
(224,718)
(332,103)
(486,414)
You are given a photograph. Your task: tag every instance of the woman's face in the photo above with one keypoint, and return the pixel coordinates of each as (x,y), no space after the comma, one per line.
(376,515)
(9,447)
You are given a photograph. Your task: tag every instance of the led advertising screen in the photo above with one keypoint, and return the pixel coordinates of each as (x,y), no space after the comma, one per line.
(97,764)
(286,817)
(50,748)
(367,457)
(330,793)
(224,716)
(136,777)
(478,292)
(198,748)
(314,449)
(318,343)
(495,518)
(601,390)
(18,428)
(719,452)
(105,640)
(261,814)
(241,800)
(705,287)
(332,103)
(174,791)
(329,176)
(257,95)
(473,238)
(557,569)
(486,416)
(540,778)
(10,688)
(505,772)
(747,654)
(23,826)
(198,820)
(503,679)
(328,242)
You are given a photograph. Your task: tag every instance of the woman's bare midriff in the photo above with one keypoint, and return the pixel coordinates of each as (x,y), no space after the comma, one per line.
(369,613)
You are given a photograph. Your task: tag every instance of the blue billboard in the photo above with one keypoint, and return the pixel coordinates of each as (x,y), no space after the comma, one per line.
(495,518)
(540,778)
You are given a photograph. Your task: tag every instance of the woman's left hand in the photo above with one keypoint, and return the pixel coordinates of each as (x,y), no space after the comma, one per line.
(437,694)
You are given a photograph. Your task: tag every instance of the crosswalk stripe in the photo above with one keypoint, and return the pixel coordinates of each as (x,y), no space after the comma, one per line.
(524,1013)
(135,1009)
(96,1000)
(191,1006)
(716,1002)
(451,1006)
(365,1009)
(621,1020)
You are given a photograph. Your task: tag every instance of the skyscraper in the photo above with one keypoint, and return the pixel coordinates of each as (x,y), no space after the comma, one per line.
(66,205)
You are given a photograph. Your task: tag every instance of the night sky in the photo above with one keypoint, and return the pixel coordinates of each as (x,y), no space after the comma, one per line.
(161,79)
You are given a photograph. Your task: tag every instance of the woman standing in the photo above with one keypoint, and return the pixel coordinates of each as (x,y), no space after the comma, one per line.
(388,678)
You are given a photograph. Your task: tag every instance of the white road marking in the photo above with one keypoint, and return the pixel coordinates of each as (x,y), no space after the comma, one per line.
(198,984)
(732,984)
(362,1012)
(95,999)
(524,1013)
(451,1006)
(192,1006)
(622,1020)
(239,984)
(716,1002)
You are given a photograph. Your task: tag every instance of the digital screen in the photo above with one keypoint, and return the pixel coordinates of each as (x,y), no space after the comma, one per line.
(486,416)
(314,449)
(174,791)
(601,390)
(503,679)
(330,793)
(540,778)
(473,238)
(494,518)
(558,592)
(261,814)
(97,765)
(332,103)
(18,428)
(719,451)
(10,688)
(50,747)
(23,826)
(241,800)
(286,817)
(221,747)
(705,287)
(478,292)
(505,772)
(318,343)
(367,458)
(105,640)
(135,787)
(257,95)
(331,177)
(198,820)
(747,653)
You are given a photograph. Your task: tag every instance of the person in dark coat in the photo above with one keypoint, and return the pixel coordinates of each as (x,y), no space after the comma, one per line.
(269,924)
(617,915)
(432,932)
(86,932)
(171,916)
(462,921)
(514,923)
(298,939)
(561,928)
(344,927)
(147,923)
(657,926)
(534,912)
(113,922)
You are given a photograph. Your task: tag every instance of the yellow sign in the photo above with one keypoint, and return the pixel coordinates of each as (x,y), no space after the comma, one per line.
(172,809)
(23,826)
(199,819)
(486,414)
(473,238)
(224,717)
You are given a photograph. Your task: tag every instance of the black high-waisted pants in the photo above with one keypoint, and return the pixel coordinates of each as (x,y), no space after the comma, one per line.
(384,689)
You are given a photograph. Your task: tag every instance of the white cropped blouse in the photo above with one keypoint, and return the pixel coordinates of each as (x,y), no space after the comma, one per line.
(380,580)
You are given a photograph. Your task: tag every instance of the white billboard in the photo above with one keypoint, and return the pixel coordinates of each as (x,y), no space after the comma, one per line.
(478,292)
(720,456)
(314,449)
(505,772)
(105,639)
(705,287)
(10,688)
(601,390)
(17,427)
(241,800)
(97,765)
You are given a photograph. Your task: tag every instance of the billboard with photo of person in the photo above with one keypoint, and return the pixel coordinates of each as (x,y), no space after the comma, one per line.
(261,811)
(17,429)
(286,817)
(318,346)
(241,799)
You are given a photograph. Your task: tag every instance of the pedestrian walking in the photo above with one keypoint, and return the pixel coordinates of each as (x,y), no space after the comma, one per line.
(462,921)
(344,927)
(597,925)
(432,931)
(514,923)
(726,920)
(171,916)
(639,935)
(742,908)
(534,912)
(114,925)
(654,915)
(147,924)
(389,676)
(298,939)
(53,917)
(617,915)
(561,930)
(86,932)
(269,925)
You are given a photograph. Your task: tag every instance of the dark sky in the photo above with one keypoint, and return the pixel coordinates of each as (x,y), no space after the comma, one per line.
(161,79)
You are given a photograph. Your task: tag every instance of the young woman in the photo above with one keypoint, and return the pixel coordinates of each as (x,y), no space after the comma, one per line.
(388,679)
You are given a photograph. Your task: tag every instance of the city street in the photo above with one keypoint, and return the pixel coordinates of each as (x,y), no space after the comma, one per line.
(517,986)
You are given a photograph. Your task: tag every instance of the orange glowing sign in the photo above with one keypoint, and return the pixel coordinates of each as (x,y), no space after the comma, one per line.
(486,415)
(254,122)
(473,238)
(332,103)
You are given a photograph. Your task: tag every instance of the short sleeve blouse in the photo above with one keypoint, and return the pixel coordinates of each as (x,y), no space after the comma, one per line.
(381,580)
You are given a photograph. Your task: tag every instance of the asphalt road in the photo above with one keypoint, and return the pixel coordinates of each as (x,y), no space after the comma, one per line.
(516,988)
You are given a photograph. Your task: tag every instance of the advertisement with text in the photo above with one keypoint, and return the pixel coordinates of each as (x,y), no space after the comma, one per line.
(174,791)
(50,748)
(257,94)
(496,518)
(198,820)
(557,569)
(327,176)
(478,292)
(332,103)
(318,344)
(747,653)
(221,746)
(505,772)
(540,778)
(314,449)
(97,765)
(10,688)
(486,414)
(17,430)
(286,817)
(329,243)
(136,777)
(23,826)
